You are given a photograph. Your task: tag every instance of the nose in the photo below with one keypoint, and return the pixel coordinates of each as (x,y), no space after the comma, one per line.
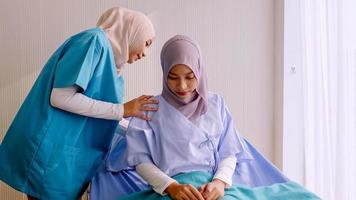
(182,85)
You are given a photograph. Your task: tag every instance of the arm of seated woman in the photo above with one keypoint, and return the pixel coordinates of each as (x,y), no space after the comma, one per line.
(163,184)
(222,179)
(226,170)
(155,177)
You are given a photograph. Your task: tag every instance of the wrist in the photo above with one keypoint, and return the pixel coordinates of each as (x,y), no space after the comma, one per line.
(219,182)
(171,187)
(124,110)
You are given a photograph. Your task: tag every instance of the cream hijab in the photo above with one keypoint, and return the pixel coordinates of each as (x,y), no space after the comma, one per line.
(126,30)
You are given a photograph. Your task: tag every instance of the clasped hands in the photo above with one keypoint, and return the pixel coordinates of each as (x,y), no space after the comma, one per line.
(209,191)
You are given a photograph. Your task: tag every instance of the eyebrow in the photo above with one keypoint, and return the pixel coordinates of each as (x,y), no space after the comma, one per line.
(171,73)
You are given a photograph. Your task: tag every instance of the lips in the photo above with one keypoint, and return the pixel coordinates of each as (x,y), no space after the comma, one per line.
(182,93)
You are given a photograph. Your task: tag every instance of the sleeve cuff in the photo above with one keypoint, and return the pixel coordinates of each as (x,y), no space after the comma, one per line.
(155,177)
(227,181)
(120,111)
(161,190)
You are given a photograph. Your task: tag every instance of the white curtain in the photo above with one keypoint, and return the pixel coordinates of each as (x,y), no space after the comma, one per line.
(328,30)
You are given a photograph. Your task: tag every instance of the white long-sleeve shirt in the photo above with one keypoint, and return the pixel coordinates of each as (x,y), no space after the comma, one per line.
(69,99)
(160,181)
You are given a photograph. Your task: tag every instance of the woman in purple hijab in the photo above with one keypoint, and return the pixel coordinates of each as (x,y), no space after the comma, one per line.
(190,148)
(181,50)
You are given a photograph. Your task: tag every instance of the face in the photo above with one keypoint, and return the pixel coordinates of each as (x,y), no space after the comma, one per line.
(182,81)
(139,53)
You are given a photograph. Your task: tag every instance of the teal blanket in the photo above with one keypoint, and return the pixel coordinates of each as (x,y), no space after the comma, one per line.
(279,191)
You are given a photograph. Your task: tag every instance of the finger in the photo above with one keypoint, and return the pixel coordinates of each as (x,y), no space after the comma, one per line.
(215,195)
(144,117)
(211,196)
(209,187)
(144,97)
(184,197)
(197,194)
(141,97)
(202,188)
(149,108)
(206,193)
(151,101)
(190,194)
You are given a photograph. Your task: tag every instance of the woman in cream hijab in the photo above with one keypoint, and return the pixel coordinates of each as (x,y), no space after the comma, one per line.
(64,127)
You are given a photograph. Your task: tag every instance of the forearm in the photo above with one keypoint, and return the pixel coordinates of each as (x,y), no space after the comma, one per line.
(70,100)
(226,170)
(155,177)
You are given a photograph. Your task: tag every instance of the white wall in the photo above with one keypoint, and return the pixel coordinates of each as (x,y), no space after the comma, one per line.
(278,81)
(293,155)
(237,38)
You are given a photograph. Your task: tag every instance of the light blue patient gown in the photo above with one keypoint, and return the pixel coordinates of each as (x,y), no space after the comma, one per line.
(182,148)
(52,154)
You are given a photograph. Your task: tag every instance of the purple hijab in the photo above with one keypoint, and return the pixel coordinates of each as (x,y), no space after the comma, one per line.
(181,49)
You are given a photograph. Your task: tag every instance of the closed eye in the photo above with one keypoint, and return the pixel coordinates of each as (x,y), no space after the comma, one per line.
(172,77)
(190,77)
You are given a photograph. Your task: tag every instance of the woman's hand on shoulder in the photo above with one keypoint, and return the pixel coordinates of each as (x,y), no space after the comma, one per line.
(183,191)
(213,190)
(137,106)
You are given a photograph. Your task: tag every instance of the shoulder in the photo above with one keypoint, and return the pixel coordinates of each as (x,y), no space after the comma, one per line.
(140,122)
(88,34)
(215,99)
(91,37)
(216,103)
